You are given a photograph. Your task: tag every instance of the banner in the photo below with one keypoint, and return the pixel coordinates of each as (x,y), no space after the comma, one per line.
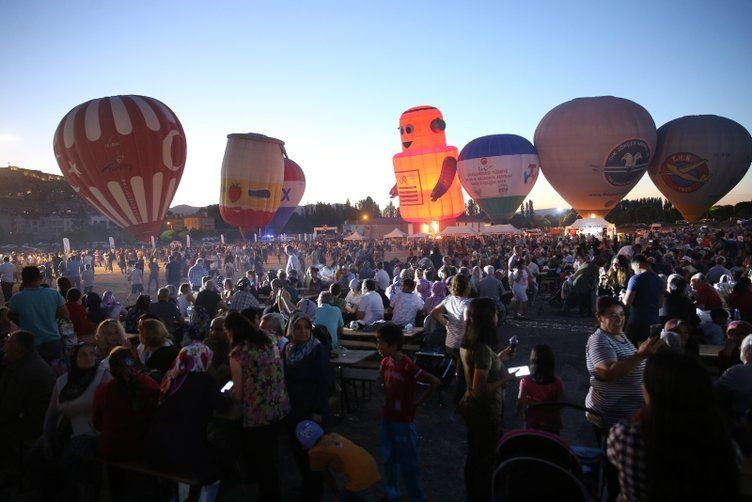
(153,243)
(66,245)
(112,243)
(187,241)
(255,237)
(222,238)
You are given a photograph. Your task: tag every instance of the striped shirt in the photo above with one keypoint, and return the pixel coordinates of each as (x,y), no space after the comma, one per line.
(619,398)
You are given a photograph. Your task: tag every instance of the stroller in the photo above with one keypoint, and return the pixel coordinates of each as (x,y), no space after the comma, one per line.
(537,465)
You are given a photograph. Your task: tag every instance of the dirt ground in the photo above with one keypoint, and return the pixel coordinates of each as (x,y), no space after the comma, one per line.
(441,433)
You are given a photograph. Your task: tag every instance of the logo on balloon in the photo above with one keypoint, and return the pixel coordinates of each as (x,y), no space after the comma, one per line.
(627,162)
(484,165)
(234,192)
(684,172)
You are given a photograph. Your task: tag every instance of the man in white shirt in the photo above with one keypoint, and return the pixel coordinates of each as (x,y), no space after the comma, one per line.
(7,277)
(370,306)
(406,304)
(382,276)
(293,262)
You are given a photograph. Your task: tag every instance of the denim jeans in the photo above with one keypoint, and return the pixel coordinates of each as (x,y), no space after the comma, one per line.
(399,452)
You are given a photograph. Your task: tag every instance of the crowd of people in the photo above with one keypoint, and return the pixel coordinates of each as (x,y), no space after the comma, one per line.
(233,353)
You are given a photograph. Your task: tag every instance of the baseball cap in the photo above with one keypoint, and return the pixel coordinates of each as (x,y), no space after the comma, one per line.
(308,433)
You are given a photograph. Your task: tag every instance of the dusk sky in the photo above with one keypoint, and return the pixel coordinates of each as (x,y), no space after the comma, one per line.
(332,78)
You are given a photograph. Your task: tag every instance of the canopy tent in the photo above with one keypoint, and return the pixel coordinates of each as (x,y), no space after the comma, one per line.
(457,231)
(355,236)
(419,235)
(591,226)
(505,229)
(395,234)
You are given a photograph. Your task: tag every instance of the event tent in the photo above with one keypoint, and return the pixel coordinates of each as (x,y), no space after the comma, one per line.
(418,235)
(395,234)
(504,229)
(457,231)
(355,236)
(591,226)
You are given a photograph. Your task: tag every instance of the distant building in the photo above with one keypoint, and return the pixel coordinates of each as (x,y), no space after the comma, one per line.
(198,223)
(175,224)
(375,228)
(474,222)
(45,227)
(98,219)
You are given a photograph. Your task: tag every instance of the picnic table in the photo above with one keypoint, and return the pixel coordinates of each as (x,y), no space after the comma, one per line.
(350,357)
(710,351)
(410,335)
(345,362)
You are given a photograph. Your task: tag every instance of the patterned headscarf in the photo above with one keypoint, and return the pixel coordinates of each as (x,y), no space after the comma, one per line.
(193,358)
(294,351)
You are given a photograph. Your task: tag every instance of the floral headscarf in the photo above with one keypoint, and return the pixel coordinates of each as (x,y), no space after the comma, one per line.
(193,358)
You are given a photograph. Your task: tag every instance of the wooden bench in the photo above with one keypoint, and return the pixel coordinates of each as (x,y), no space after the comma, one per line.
(367,344)
(139,468)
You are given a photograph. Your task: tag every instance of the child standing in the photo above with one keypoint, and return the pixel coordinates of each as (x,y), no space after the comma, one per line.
(541,386)
(332,453)
(398,435)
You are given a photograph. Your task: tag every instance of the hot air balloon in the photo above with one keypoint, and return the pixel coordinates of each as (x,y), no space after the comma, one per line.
(429,190)
(498,172)
(698,160)
(252,175)
(292,192)
(124,155)
(594,150)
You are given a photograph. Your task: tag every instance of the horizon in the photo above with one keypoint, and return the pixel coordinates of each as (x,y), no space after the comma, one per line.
(333,81)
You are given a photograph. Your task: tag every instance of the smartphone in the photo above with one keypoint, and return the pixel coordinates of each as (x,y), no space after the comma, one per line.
(228,386)
(521,371)
(513,343)
(655,330)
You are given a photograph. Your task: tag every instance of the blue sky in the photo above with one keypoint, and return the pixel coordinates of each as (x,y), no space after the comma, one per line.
(332,78)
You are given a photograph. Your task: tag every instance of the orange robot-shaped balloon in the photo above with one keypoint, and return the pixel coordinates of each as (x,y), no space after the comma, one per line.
(426,169)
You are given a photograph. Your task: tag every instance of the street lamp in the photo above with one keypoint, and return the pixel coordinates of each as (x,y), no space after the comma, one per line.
(365,217)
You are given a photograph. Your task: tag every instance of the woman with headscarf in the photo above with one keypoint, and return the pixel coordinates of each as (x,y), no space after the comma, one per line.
(114,309)
(68,436)
(438,293)
(177,439)
(140,308)
(94,310)
(124,407)
(309,379)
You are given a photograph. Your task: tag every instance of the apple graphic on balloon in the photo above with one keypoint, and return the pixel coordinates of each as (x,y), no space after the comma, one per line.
(234,193)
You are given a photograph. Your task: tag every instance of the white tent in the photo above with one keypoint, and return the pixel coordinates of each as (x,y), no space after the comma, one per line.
(355,236)
(457,231)
(500,230)
(395,234)
(592,226)
(419,235)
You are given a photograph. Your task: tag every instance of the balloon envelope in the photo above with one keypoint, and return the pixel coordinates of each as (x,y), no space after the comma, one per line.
(698,160)
(593,151)
(426,167)
(252,175)
(292,192)
(125,156)
(498,172)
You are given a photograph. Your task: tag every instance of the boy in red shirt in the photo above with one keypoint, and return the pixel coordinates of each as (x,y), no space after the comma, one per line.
(398,436)
(81,324)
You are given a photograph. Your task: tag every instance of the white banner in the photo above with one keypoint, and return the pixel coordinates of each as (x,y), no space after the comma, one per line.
(66,245)
(222,238)
(112,243)
(187,241)
(153,243)
(255,237)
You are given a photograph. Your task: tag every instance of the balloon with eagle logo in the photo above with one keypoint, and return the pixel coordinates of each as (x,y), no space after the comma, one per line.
(593,151)
(125,156)
(498,172)
(252,176)
(427,184)
(292,192)
(698,160)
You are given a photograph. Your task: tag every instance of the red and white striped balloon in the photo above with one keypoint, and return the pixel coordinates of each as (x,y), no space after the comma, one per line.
(124,155)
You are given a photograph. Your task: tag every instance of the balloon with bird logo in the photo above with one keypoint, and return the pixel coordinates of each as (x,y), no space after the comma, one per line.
(252,176)
(698,160)
(125,156)
(293,189)
(498,172)
(593,151)
(428,187)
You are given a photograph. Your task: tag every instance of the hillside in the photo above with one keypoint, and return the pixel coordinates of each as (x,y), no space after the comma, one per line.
(30,192)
